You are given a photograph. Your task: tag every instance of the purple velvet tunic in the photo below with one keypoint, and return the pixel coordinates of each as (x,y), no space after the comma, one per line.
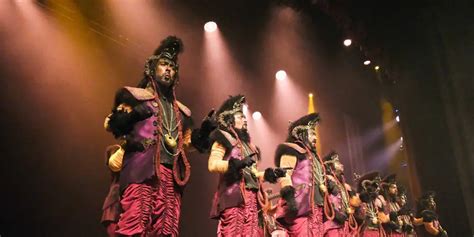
(228,195)
(333,228)
(141,166)
(151,198)
(235,206)
(309,218)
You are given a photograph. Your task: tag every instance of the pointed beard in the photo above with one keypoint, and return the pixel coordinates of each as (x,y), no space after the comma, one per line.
(392,197)
(243,134)
(164,89)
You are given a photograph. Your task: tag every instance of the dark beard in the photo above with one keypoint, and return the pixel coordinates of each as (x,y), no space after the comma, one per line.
(243,135)
(164,90)
(392,197)
(310,145)
(340,176)
(161,81)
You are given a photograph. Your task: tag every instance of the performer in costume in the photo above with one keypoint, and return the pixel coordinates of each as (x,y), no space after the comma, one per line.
(427,217)
(371,214)
(391,207)
(234,157)
(343,199)
(156,128)
(111,208)
(303,188)
(405,213)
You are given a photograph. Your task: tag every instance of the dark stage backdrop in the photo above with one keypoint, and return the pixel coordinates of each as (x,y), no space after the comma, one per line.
(62,61)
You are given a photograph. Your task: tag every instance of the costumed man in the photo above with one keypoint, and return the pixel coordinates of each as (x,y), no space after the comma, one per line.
(427,216)
(303,188)
(391,207)
(156,129)
(371,213)
(405,213)
(111,208)
(343,199)
(234,157)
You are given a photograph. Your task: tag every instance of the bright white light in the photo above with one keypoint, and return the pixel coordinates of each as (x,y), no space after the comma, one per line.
(347,42)
(210,26)
(280,75)
(401,139)
(397,118)
(377,68)
(256,115)
(366,62)
(310,95)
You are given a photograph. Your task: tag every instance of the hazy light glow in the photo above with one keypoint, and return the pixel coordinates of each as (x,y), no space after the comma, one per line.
(256,115)
(280,75)
(246,109)
(310,94)
(366,62)
(377,68)
(210,26)
(347,42)
(397,118)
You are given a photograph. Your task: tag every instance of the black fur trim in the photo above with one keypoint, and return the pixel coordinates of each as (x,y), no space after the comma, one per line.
(217,136)
(405,210)
(200,141)
(233,174)
(284,149)
(288,194)
(229,104)
(429,216)
(201,136)
(120,123)
(270,175)
(123,96)
(131,146)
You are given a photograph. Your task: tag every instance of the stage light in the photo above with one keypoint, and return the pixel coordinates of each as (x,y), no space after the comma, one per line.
(377,68)
(280,75)
(246,109)
(366,62)
(401,139)
(397,118)
(310,95)
(256,115)
(347,42)
(210,26)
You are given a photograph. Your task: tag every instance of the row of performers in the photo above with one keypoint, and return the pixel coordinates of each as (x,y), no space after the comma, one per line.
(150,170)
